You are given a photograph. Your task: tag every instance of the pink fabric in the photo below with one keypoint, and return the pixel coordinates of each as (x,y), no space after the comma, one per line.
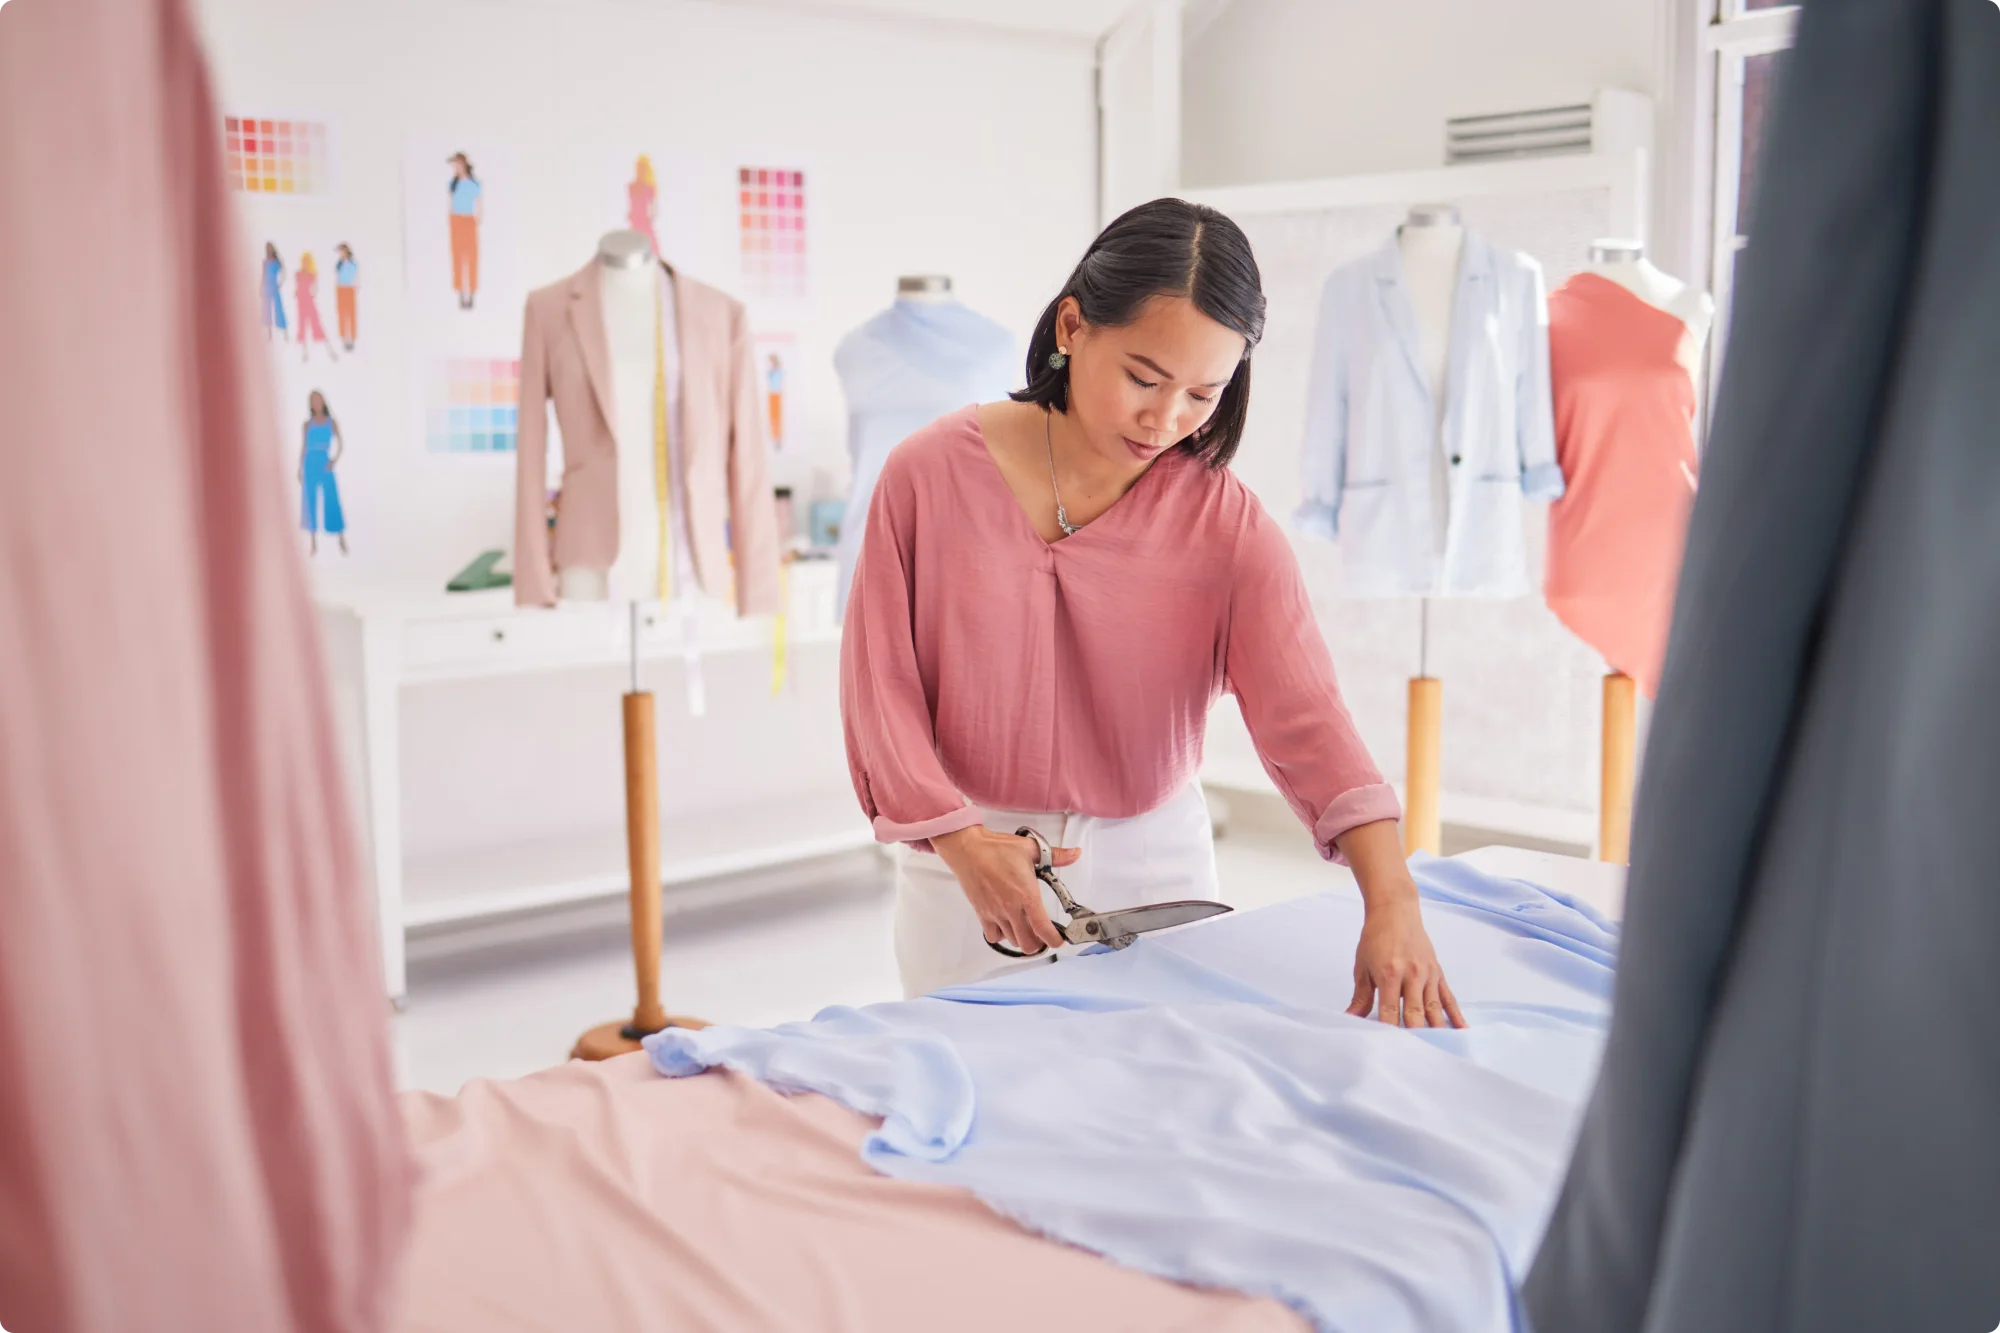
(609,1199)
(1624,408)
(984,666)
(197,1125)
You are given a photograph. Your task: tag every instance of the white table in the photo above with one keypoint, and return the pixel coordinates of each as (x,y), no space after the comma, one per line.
(379,643)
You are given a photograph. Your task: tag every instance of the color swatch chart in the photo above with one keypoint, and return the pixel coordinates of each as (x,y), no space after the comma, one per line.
(472,406)
(772,205)
(277,156)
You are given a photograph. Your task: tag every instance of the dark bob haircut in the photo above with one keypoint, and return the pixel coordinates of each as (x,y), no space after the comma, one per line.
(1168,247)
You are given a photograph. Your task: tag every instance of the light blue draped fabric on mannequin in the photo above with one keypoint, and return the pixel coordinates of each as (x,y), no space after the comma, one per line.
(902,370)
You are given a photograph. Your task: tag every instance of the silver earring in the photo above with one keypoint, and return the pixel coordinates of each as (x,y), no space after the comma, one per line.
(1058,359)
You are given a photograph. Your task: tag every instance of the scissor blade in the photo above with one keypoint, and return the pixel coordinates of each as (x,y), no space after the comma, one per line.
(1156,916)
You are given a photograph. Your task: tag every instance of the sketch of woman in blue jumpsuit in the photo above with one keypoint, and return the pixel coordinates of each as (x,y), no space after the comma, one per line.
(274,293)
(319,493)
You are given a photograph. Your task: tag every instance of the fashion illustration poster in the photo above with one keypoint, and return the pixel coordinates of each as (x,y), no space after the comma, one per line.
(658,193)
(461,217)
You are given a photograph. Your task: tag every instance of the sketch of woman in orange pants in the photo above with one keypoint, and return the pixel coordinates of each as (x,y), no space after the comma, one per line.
(309,325)
(466,211)
(774,397)
(346,287)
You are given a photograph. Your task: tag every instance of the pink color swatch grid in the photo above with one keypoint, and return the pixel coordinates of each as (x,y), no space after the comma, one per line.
(772,205)
(276,156)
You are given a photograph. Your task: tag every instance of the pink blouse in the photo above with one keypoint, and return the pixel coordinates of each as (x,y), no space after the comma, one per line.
(984,666)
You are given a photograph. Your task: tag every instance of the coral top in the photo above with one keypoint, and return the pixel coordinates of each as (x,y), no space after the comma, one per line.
(1624,407)
(984,666)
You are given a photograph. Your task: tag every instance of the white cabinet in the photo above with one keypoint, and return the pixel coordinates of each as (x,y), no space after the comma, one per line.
(381,647)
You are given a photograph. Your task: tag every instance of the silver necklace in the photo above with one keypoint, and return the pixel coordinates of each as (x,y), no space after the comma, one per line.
(1048,434)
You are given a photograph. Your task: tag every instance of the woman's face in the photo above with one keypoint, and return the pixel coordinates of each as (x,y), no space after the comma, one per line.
(1139,389)
(316,405)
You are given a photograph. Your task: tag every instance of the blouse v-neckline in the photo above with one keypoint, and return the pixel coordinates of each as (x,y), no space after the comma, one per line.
(1027,520)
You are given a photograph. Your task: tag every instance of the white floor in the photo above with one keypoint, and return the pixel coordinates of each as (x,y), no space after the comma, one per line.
(504,1000)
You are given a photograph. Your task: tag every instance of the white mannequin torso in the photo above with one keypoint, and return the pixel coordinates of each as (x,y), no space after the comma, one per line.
(1430,268)
(629,296)
(1686,302)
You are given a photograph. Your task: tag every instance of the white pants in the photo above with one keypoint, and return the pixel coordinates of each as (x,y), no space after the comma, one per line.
(1162,855)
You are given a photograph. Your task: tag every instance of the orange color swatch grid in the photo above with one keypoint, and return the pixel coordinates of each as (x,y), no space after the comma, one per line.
(772,209)
(276,156)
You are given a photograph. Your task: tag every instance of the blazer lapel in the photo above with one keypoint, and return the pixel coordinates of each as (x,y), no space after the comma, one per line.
(687,339)
(1470,305)
(586,317)
(1394,294)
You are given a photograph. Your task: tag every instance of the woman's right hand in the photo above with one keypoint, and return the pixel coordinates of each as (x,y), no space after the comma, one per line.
(997,873)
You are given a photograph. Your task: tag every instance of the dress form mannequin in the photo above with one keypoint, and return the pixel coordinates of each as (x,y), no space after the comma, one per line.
(1431,241)
(633,280)
(1624,262)
(924,289)
(640,335)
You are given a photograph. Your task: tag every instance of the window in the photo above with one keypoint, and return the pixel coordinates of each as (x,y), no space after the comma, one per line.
(1747,41)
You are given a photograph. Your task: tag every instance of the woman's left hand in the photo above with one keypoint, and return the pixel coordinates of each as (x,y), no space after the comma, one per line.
(1396,970)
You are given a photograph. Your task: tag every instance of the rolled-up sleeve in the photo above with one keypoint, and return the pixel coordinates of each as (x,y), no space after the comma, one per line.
(884,710)
(1534,411)
(1277,665)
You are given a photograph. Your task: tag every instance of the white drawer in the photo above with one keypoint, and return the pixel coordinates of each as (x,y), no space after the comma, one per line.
(513,640)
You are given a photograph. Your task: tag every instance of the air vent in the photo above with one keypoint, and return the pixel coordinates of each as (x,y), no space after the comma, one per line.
(1543,132)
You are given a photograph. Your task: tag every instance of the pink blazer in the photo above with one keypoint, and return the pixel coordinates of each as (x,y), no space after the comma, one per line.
(565,359)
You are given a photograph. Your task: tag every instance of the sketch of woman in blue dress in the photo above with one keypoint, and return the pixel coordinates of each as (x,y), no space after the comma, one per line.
(319,493)
(274,293)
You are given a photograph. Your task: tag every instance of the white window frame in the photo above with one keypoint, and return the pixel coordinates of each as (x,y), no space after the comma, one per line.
(1729,38)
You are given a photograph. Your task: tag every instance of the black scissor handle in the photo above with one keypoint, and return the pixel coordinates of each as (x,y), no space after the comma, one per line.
(1045,871)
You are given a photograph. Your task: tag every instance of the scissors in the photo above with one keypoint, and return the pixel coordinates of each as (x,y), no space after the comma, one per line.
(1113,930)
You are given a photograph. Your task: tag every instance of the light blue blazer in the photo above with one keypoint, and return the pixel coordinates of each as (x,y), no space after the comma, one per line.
(1370,432)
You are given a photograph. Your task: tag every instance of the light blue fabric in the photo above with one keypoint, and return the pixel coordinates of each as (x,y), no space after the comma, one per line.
(346,273)
(1198,1106)
(1370,427)
(465,196)
(900,371)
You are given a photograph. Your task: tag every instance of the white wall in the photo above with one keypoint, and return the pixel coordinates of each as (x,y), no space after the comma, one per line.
(1297,89)
(931,147)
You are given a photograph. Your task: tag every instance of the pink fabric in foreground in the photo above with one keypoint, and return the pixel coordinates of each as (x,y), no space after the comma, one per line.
(197,1124)
(607,1198)
(982,665)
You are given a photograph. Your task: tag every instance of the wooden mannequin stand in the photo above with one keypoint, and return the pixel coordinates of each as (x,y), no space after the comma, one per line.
(1614,805)
(642,842)
(1423,828)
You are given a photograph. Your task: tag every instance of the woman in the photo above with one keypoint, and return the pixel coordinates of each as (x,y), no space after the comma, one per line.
(641,199)
(346,291)
(466,211)
(274,293)
(319,493)
(1053,590)
(774,397)
(308,299)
